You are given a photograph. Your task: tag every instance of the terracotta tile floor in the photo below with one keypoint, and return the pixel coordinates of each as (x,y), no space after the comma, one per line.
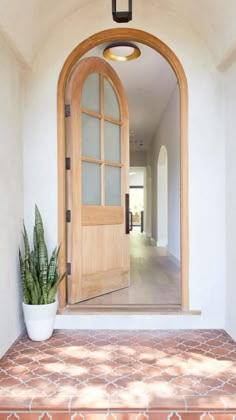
(119,375)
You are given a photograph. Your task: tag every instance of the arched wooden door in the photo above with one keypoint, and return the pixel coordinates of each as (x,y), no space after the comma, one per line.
(98,145)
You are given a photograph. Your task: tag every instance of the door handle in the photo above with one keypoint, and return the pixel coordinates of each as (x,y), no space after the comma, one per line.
(127,214)
(130,221)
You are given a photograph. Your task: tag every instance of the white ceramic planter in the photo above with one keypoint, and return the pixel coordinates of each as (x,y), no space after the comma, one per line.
(39,320)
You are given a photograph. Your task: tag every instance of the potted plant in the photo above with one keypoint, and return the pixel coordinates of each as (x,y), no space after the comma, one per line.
(40,280)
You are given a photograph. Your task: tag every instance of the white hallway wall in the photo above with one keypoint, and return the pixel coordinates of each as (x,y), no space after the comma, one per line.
(162,198)
(230,114)
(168,134)
(138,158)
(136,176)
(11,190)
(206,144)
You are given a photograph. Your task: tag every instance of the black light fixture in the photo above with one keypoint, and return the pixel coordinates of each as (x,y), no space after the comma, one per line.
(122,16)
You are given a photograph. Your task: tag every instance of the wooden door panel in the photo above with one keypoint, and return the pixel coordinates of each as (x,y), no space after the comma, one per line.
(102,248)
(102,215)
(98,244)
(98,284)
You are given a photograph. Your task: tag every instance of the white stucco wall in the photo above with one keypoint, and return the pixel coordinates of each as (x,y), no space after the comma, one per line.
(138,158)
(230,115)
(11,189)
(206,142)
(27,23)
(136,176)
(168,135)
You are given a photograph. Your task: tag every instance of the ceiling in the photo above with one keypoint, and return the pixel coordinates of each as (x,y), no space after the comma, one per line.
(28,23)
(148,82)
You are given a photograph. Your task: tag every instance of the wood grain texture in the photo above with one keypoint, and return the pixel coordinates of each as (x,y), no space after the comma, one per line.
(100,115)
(101,215)
(92,284)
(126,310)
(110,35)
(102,250)
(101,161)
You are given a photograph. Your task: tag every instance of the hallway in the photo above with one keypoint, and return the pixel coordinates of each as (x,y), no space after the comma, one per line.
(154,277)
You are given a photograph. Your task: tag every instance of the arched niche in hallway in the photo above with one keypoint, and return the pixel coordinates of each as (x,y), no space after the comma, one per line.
(162,198)
(155,43)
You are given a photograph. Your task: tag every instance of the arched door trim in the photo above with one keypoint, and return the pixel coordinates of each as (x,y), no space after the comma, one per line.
(110,35)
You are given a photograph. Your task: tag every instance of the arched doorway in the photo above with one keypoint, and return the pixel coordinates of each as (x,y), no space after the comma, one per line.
(168,54)
(162,198)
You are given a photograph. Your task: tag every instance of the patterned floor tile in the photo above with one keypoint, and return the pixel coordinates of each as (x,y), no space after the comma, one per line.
(122,370)
(118,416)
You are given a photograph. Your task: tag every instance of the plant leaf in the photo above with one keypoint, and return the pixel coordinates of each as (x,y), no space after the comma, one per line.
(26,296)
(52,268)
(39,278)
(31,287)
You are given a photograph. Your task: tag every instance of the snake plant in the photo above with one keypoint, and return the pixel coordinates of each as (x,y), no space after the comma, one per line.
(39,274)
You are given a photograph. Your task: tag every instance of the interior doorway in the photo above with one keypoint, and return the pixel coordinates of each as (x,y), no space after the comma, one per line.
(62,294)
(136,202)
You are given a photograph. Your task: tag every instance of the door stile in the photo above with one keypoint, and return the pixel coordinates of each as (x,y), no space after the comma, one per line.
(102,138)
(125,183)
(76,230)
(68,201)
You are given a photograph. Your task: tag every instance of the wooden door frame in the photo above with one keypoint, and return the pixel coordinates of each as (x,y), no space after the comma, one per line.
(135,35)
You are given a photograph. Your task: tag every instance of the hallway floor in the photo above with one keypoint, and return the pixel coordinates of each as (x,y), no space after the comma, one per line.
(154,277)
(120,375)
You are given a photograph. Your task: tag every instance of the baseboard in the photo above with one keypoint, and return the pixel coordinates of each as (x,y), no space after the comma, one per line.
(147,234)
(153,241)
(174,259)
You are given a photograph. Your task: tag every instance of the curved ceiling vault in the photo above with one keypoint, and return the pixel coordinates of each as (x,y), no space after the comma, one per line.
(26,23)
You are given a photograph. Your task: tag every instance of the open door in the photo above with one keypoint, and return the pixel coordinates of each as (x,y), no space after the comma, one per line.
(97,183)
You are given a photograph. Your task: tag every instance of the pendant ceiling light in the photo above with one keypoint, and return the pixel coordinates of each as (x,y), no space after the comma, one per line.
(122,16)
(122,51)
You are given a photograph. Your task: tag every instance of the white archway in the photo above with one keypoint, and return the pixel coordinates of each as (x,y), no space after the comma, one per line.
(162,198)
(135,35)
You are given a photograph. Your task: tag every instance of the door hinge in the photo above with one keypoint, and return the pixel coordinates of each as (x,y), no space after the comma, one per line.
(68,269)
(67,110)
(68,216)
(67,163)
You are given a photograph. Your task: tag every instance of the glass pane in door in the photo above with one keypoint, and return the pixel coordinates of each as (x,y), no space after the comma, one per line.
(112,186)
(91,93)
(90,136)
(111,104)
(112,142)
(91,184)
